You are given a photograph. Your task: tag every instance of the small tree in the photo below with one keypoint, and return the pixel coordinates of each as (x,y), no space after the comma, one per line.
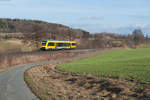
(137,36)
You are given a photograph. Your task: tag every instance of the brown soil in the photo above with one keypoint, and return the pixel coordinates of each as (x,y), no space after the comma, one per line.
(51,84)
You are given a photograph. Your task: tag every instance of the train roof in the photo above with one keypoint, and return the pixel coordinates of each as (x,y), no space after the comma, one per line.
(58,41)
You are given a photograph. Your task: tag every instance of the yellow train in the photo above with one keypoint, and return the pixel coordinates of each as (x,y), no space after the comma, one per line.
(52,45)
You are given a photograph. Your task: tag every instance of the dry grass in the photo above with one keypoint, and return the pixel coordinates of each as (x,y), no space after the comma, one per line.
(2,70)
(10,60)
(11,53)
(15,45)
(7,46)
(40,88)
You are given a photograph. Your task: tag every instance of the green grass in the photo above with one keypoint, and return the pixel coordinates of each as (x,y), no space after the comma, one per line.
(133,64)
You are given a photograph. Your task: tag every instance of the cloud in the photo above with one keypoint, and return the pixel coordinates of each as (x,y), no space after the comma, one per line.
(92,18)
(100,27)
(140,16)
(93,27)
(4,0)
(130,28)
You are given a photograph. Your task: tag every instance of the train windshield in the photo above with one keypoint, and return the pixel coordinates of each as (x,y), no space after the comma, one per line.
(44,43)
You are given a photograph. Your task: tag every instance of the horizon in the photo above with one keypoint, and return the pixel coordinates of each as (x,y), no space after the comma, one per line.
(94,16)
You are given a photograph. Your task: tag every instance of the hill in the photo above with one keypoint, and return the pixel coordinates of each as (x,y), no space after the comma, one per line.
(55,31)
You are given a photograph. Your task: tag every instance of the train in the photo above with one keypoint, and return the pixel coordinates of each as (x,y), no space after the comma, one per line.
(55,44)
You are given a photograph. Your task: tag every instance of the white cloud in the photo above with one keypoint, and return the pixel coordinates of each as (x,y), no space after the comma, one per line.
(4,0)
(92,18)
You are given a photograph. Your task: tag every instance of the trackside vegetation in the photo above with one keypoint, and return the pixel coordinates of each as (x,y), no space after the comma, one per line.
(129,64)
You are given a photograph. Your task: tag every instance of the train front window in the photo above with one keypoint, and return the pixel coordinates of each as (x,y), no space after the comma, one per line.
(44,43)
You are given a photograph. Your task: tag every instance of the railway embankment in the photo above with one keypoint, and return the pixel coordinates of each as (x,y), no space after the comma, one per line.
(9,60)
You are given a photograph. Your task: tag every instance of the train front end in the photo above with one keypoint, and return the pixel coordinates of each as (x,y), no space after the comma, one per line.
(43,45)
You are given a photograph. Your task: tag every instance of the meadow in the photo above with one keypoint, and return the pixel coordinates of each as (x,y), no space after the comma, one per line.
(129,64)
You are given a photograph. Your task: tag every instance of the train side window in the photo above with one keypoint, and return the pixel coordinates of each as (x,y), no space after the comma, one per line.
(66,44)
(51,44)
(63,44)
(73,44)
(60,44)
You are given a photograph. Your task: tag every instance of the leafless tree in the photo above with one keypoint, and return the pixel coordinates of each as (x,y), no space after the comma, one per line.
(137,36)
(37,34)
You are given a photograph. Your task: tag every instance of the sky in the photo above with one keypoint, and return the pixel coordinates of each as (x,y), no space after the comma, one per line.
(116,16)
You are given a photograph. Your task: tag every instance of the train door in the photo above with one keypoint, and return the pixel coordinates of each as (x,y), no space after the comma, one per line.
(51,45)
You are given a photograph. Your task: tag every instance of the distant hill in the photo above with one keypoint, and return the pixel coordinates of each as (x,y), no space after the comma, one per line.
(33,26)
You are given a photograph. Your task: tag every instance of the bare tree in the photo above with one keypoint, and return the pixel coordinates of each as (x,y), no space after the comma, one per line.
(70,34)
(37,34)
(137,36)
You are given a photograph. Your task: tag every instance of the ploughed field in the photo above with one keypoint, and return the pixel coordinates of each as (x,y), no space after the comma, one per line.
(130,64)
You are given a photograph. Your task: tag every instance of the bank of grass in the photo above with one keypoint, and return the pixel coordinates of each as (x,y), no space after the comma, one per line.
(2,70)
(146,45)
(15,45)
(34,87)
(133,63)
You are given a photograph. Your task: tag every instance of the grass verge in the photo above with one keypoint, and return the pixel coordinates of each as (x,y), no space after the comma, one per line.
(134,64)
(35,88)
(2,70)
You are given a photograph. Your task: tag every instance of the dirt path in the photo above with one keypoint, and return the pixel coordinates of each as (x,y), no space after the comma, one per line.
(50,84)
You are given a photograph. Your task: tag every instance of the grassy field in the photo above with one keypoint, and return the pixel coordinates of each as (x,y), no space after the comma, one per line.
(133,64)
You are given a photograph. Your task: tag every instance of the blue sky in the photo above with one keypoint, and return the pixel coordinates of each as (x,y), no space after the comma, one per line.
(120,16)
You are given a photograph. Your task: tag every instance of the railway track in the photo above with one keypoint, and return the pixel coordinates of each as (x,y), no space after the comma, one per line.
(39,52)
